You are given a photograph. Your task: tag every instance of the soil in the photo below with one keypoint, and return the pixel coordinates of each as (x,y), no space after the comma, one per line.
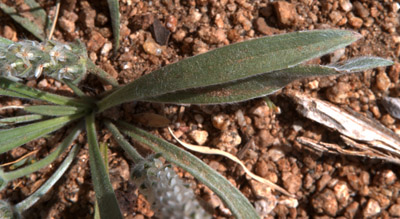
(264,139)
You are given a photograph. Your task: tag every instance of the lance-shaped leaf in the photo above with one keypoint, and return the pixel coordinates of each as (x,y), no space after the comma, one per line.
(361,64)
(128,148)
(264,84)
(53,110)
(32,199)
(232,63)
(10,121)
(14,89)
(105,195)
(113,5)
(11,138)
(8,176)
(35,27)
(233,198)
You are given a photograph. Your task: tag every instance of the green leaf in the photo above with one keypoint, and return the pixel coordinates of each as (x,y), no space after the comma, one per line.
(35,27)
(75,88)
(113,5)
(128,148)
(233,198)
(9,121)
(105,196)
(40,16)
(53,110)
(11,138)
(8,176)
(104,76)
(32,199)
(245,89)
(361,64)
(14,89)
(232,63)
(264,84)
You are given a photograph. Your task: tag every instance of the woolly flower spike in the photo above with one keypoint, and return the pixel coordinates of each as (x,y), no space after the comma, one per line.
(169,196)
(27,58)
(7,211)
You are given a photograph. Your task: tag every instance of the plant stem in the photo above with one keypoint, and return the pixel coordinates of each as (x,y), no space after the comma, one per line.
(32,199)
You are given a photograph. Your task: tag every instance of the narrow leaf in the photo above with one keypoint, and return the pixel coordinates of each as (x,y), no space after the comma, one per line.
(232,63)
(264,84)
(40,16)
(11,138)
(361,64)
(35,29)
(105,196)
(233,198)
(8,176)
(128,148)
(53,110)
(245,89)
(24,91)
(113,5)
(32,199)
(10,121)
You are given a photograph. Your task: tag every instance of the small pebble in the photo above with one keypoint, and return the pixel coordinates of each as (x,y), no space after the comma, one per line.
(356,22)
(291,182)
(289,202)
(394,210)
(171,23)
(286,12)
(96,41)
(338,93)
(382,81)
(276,153)
(325,202)
(199,136)
(229,139)
(360,9)
(106,48)
(372,208)
(323,181)
(220,122)
(151,47)
(261,168)
(387,120)
(260,111)
(341,191)
(265,206)
(345,5)
(351,210)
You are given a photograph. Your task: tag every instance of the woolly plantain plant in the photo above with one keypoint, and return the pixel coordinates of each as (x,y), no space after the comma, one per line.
(233,73)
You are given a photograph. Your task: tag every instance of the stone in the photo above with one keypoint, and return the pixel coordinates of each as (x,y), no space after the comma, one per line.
(342,193)
(338,93)
(356,22)
(262,27)
(372,208)
(286,13)
(382,81)
(345,5)
(360,9)
(291,182)
(325,202)
(394,210)
(96,41)
(199,136)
